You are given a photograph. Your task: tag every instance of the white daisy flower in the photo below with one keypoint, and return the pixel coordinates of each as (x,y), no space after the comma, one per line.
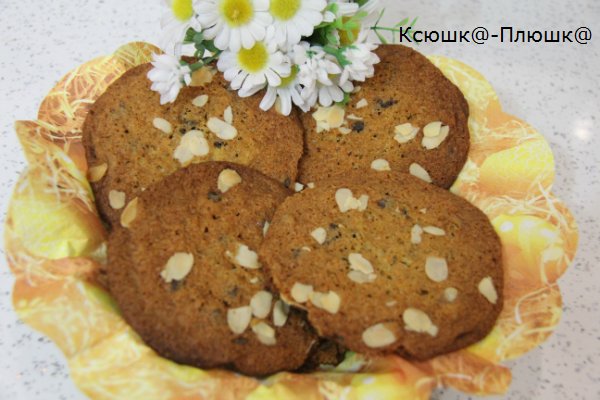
(362,59)
(293,19)
(345,8)
(168,76)
(287,93)
(234,24)
(175,24)
(319,73)
(250,70)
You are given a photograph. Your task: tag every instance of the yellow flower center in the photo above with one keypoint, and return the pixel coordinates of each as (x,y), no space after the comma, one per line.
(284,9)
(237,12)
(287,81)
(182,9)
(254,59)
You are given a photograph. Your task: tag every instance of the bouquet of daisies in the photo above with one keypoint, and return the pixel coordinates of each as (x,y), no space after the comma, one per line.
(302,52)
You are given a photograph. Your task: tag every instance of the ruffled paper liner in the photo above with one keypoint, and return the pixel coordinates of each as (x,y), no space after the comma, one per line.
(55,243)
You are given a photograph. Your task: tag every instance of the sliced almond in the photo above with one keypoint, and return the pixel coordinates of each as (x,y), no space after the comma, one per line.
(200,101)
(310,185)
(335,119)
(433,142)
(301,292)
(221,129)
(405,133)
(266,228)
(298,187)
(380,165)
(228,115)
(359,263)
(228,178)
(415,234)
(363,202)
(178,267)
(436,268)
(344,130)
(420,172)
(391,303)
(239,319)
(96,173)
(353,117)
(360,277)
(281,311)
(344,199)
(378,336)
(192,144)
(417,321)
(450,294)
(434,230)
(129,213)
(261,304)
(264,333)
(319,234)
(432,129)
(362,103)
(162,125)
(329,301)
(487,289)
(116,199)
(246,258)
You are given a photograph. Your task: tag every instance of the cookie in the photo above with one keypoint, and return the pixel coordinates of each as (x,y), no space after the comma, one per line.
(132,141)
(408,118)
(385,263)
(186,276)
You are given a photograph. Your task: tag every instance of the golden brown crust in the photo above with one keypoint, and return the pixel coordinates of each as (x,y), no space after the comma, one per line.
(186,320)
(119,131)
(406,88)
(382,235)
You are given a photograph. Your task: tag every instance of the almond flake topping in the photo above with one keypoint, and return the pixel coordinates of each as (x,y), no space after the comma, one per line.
(116,199)
(95,174)
(436,268)
(319,234)
(162,125)
(264,333)
(359,263)
(129,213)
(361,277)
(380,165)
(200,101)
(328,118)
(261,304)
(281,311)
(415,234)
(362,103)
(329,301)
(192,144)
(228,178)
(450,294)
(405,133)
(434,134)
(239,319)
(247,258)
(221,129)
(417,321)
(434,230)
(266,228)
(178,267)
(378,336)
(301,292)
(228,115)
(420,172)
(298,187)
(487,289)
(346,201)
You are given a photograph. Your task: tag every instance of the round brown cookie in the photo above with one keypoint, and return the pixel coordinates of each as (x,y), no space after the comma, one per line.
(187,279)
(385,120)
(407,267)
(137,139)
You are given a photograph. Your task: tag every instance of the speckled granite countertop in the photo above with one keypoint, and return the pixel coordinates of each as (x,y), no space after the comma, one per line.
(554,87)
